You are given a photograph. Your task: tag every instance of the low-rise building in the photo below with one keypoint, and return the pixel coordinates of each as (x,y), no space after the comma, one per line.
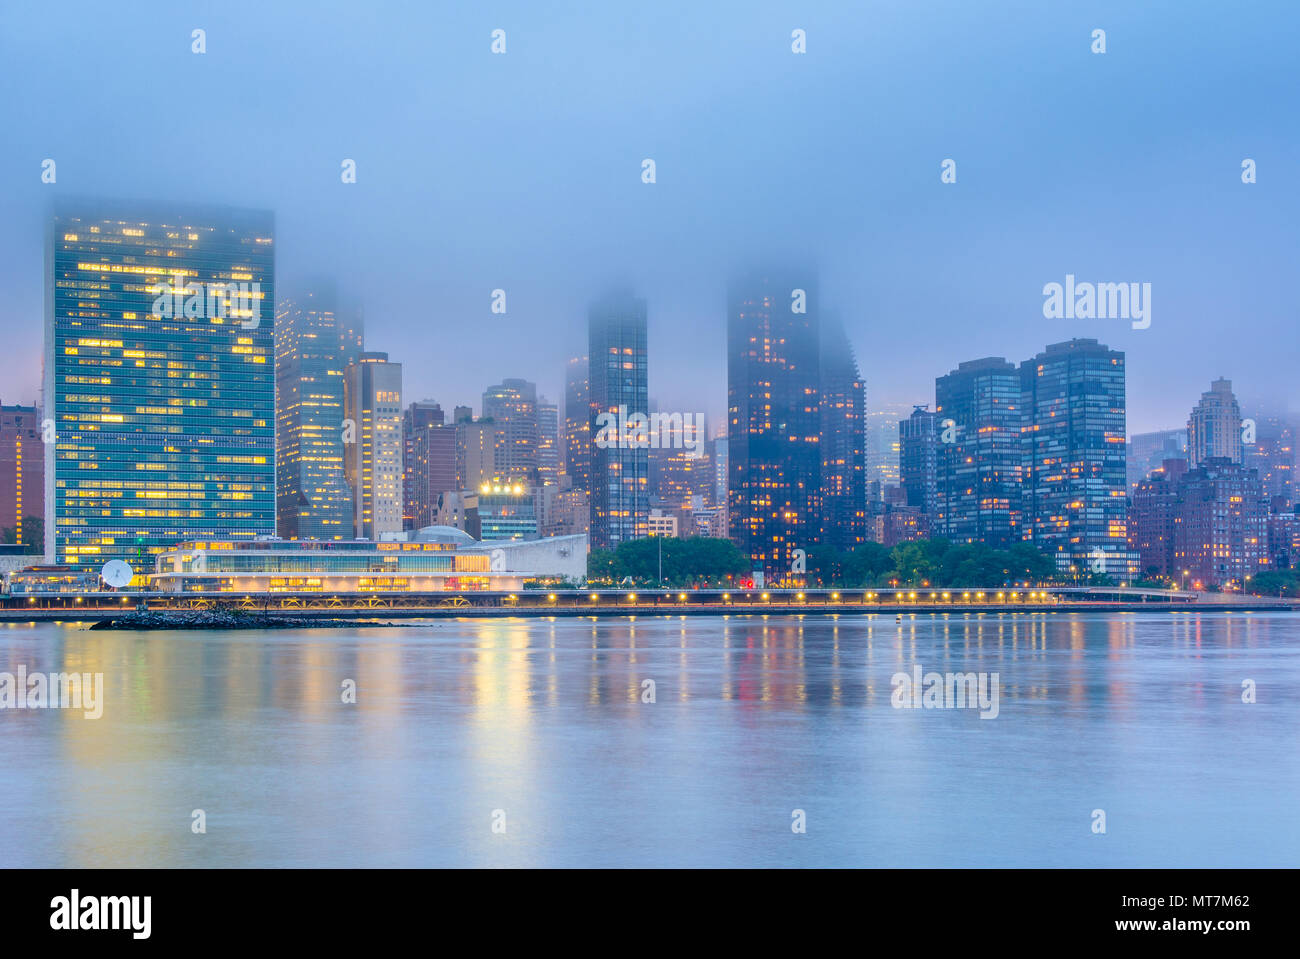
(433,559)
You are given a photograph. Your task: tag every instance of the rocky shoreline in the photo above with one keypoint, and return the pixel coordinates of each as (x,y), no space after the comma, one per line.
(219,619)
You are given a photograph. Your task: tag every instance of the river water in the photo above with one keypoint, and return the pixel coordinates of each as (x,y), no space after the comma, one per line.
(513,742)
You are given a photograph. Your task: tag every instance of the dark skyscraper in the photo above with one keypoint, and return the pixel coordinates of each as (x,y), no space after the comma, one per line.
(159,377)
(618,387)
(314,343)
(576,503)
(918,459)
(417,419)
(977,491)
(774,421)
(1075,487)
(577,423)
(843,397)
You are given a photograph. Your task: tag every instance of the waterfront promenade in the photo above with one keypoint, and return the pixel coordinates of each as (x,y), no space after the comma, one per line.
(673,602)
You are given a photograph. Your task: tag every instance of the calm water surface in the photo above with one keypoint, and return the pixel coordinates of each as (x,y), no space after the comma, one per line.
(1138,715)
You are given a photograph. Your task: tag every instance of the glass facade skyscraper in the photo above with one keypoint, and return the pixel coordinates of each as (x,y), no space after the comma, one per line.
(159,377)
(774,420)
(978,414)
(620,493)
(314,344)
(844,474)
(1075,488)
(918,459)
(511,406)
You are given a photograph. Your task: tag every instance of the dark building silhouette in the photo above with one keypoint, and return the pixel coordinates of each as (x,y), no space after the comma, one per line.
(843,396)
(774,420)
(918,459)
(617,387)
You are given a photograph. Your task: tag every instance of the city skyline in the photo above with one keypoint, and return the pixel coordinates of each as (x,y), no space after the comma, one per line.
(439,218)
(157,348)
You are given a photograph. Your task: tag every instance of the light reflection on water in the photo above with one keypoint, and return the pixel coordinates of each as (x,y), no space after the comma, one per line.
(1139,715)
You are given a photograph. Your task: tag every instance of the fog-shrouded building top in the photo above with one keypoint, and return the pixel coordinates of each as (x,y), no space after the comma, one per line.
(843,397)
(159,378)
(774,420)
(617,387)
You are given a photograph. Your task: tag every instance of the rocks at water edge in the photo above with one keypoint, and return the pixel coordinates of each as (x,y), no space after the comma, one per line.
(217,619)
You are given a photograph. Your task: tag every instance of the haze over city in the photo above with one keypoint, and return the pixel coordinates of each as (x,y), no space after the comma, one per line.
(523,172)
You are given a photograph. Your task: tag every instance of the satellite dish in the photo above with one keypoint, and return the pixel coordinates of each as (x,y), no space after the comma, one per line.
(116,573)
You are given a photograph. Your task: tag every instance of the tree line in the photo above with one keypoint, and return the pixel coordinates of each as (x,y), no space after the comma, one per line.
(702,562)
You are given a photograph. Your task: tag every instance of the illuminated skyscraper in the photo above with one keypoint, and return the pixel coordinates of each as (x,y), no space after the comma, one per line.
(977,488)
(159,377)
(372,389)
(774,421)
(1075,488)
(511,405)
(620,503)
(314,344)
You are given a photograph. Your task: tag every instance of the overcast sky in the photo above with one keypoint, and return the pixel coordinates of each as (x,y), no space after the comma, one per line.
(522,171)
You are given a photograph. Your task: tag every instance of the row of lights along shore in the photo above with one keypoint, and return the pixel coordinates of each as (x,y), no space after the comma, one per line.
(835,597)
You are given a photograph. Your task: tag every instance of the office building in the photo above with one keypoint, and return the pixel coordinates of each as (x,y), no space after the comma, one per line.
(428,462)
(843,397)
(617,386)
(22,477)
(373,402)
(511,407)
(978,454)
(159,379)
(1075,483)
(315,342)
(918,460)
(548,443)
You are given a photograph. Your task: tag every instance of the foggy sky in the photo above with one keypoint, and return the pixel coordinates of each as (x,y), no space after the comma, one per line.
(522,172)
